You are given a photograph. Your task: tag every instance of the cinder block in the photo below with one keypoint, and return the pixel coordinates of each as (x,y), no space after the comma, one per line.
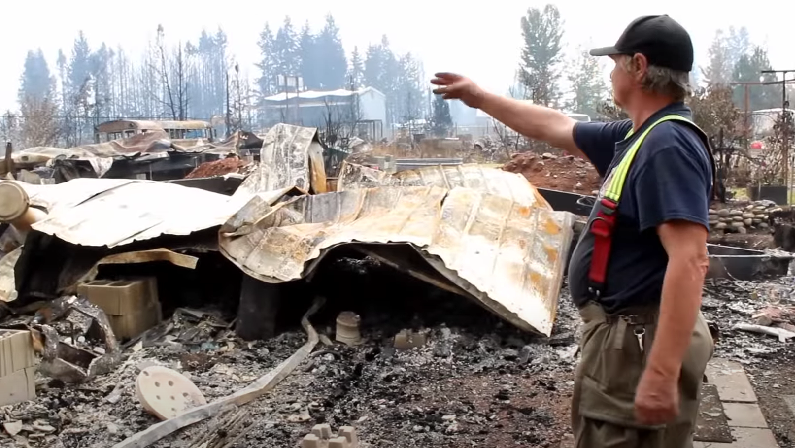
(349,432)
(122,297)
(322,431)
(131,325)
(16,351)
(310,441)
(132,306)
(322,436)
(18,387)
(338,442)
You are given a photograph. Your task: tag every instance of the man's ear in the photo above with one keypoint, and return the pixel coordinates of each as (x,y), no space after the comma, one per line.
(641,64)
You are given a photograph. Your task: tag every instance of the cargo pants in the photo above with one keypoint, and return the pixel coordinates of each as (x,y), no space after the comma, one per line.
(609,372)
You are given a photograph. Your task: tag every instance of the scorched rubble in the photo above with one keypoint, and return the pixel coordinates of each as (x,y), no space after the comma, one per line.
(476,381)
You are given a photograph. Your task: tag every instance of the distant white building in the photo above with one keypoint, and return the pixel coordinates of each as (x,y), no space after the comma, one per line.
(365,107)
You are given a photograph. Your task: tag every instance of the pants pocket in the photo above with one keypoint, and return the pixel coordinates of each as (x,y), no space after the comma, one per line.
(693,366)
(611,366)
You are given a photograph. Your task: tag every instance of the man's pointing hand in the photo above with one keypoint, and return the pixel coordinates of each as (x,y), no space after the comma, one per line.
(457,87)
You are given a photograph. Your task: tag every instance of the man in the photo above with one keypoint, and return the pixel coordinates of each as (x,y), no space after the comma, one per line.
(638,269)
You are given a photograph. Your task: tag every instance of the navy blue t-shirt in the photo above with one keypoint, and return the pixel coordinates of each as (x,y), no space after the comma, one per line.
(670,178)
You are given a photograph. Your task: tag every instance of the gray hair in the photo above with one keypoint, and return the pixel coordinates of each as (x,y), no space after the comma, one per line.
(666,81)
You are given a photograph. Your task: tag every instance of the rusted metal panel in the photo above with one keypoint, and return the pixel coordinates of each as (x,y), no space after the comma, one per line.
(508,255)
(486,179)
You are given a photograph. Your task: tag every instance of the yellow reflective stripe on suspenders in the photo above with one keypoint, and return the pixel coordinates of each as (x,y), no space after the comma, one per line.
(620,173)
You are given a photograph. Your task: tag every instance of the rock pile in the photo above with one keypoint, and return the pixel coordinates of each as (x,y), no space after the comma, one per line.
(565,173)
(754,216)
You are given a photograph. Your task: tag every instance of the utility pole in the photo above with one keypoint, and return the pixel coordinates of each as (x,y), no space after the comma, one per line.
(784,120)
(228,108)
(238,102)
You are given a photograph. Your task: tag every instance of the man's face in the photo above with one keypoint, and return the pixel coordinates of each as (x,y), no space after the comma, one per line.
(620,79)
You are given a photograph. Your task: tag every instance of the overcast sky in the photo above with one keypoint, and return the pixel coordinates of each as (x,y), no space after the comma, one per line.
(481,39)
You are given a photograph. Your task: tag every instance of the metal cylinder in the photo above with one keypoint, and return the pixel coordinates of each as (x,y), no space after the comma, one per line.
(14,201)
(15,206)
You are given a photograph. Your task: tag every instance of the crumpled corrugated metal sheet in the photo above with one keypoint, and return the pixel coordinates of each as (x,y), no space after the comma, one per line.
(114,212)
(55,197)
(490,180)
(291,156)
(354,176)
(507,255)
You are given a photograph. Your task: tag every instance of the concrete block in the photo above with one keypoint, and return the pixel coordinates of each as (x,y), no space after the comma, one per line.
(322,431)
(732,383)
(322,436)
(349,432)
(746,415)
(18,387)
(131,325)
(132,306)
(121,297)
(338,442)
(310,441)
(16,351)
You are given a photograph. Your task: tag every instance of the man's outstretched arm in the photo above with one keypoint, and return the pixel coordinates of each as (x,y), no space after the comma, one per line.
(536,122)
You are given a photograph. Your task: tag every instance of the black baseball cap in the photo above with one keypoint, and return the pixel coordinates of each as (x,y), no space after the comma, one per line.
(660,38)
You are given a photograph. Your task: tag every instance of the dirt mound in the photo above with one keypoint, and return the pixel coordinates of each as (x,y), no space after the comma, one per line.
(566,173)
(217,168)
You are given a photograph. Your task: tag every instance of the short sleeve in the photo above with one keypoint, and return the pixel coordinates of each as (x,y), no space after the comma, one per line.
(598,141)
(673,183)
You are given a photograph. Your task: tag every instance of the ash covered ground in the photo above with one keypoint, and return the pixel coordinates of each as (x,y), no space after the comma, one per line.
(476,382)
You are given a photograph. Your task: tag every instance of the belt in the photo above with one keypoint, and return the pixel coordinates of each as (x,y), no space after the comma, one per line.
(632,316)
(637,318)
